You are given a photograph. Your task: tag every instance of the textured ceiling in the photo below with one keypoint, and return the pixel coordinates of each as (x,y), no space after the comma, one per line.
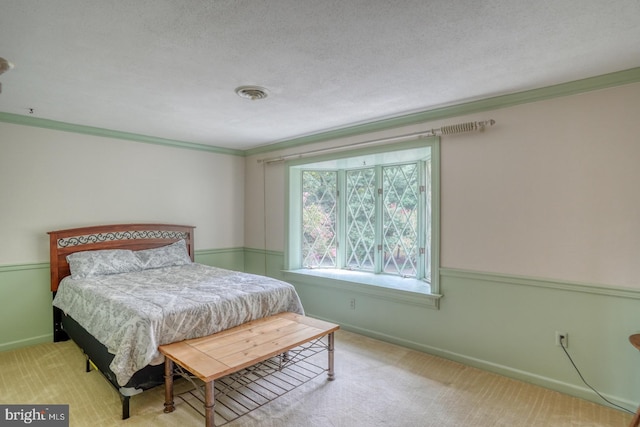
(168,68)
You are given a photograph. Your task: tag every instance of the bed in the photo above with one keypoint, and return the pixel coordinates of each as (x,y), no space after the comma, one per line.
(120,291)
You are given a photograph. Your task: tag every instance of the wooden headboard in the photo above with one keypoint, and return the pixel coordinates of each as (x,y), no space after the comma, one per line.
(117,236)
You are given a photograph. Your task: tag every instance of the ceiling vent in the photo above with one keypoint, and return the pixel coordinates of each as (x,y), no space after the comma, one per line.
(252,92)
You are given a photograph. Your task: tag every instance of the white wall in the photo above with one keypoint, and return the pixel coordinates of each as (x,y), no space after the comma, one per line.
(551,191)
(53,180)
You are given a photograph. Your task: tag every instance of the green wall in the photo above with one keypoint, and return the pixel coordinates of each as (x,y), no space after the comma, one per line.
(505,324)
(26,313)
(25,305)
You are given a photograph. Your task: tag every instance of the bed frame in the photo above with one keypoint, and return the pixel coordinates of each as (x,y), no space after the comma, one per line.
(117,236)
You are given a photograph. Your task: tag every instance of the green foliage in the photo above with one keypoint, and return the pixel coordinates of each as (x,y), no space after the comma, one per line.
(319,218)
(400,205)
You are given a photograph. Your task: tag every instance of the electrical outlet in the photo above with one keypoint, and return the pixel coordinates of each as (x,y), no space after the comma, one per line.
(352,303)
(562,339)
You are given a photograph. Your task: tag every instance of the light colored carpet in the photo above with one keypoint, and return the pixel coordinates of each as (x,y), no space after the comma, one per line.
(377,384)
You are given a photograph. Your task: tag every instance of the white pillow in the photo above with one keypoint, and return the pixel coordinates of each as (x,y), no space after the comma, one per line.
(164,256)
(97,263)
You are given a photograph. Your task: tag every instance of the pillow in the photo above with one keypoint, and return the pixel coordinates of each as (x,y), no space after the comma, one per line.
(97,263)
(164,256)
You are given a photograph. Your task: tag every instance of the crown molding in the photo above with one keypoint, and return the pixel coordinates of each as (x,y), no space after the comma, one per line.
(108,133)
(564,89)
(503,101)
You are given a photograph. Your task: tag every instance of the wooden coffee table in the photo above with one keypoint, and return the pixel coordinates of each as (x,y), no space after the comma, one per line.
(232,350)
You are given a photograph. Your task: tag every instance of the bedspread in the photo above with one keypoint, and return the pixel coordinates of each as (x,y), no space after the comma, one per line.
(133,313)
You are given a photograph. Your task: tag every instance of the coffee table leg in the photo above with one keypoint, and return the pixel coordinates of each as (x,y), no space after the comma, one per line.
(330,351)
(168,385)
(209,404)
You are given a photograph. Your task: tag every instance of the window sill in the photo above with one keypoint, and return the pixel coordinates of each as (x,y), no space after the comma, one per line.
(398,289)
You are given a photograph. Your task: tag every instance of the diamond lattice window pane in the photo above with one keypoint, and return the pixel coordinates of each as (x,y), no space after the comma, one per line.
(400,219)
(361,204)
(319,243)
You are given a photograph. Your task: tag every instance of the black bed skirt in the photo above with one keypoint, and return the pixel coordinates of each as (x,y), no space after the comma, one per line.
(146,378)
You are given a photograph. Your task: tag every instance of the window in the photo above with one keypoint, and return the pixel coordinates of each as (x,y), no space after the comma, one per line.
(367,212)
(319,219)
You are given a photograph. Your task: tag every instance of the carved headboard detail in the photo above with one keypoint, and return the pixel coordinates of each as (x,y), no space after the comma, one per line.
(117,236)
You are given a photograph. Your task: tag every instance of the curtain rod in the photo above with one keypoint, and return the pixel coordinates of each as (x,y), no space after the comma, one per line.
(444,130)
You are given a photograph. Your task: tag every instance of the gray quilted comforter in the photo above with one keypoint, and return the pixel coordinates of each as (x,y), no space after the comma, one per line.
(133,313)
